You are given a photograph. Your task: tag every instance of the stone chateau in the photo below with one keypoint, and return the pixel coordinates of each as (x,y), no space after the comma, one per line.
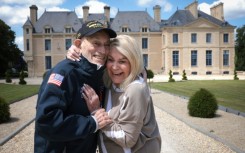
(189,40)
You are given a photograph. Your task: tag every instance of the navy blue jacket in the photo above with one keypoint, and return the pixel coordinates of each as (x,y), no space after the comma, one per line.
(63,120)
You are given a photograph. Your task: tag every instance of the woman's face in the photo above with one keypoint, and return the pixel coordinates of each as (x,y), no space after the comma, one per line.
(118,66)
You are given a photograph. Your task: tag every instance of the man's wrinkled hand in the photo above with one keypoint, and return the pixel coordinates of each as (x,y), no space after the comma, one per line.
(102,118)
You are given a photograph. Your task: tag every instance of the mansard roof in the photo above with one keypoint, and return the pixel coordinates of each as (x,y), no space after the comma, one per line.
(184,17)
(134,20)
(57,21)
(213,19)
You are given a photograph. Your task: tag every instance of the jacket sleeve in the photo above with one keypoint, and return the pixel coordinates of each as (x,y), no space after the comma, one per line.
(126,131)
(52,120)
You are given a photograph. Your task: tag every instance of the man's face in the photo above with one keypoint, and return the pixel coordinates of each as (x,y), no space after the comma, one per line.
(96,47)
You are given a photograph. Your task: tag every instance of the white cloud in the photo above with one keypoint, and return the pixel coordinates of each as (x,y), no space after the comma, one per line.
(19,42)
(13,15)
(13,2)
(48,3)
(56,9)
(15,12)
(95,7)
(166,6)
(233,9)
(204,7)
(144,2)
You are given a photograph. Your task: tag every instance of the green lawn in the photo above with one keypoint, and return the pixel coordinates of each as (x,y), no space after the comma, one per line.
(229,93)
(12,93)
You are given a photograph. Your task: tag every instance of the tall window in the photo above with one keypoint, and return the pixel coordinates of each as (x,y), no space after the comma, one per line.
(194,58)
(226,38)
(68,43)
(193,38)
(27,45)
(226,58)
(175,58)
(48,62)
(68,30)
(208,57)
(47,30)
(208,38)
(145,60)
(144,29)
(124,29)
(175,38)
(144,43)
(47,44)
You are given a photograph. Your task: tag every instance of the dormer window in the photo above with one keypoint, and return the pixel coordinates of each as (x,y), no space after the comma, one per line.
(124,29)
(144,29)
(68,30)
(47,30)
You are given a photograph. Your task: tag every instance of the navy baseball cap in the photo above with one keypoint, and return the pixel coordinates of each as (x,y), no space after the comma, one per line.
(91,27)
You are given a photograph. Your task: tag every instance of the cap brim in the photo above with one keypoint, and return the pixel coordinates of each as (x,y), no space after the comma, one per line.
(111,33)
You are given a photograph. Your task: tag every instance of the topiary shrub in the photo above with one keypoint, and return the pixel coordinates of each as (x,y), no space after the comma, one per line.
(22,78)
(235,75)
(171,79)
(8,76)
(202,104)
(4,111)
(184,77)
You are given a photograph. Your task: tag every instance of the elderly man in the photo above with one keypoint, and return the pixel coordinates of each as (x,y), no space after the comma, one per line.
(64,123)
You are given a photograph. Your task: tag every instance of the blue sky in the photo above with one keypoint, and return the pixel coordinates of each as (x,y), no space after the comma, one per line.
(15,12)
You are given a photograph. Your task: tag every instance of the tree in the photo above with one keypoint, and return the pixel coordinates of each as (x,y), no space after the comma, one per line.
(240,49)
(149,75)
(9,52)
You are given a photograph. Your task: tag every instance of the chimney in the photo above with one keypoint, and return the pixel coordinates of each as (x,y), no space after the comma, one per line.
(107,13)
(157,13)
(217,11)
(33,14)
(193,9)
(85,13)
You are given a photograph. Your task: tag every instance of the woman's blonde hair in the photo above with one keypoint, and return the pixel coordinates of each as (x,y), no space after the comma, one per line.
(128,47)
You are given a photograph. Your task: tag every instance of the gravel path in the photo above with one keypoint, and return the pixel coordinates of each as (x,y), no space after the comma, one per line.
(180,133)
(21,113)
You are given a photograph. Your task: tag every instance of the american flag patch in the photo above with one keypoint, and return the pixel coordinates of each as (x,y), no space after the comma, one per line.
(55,79)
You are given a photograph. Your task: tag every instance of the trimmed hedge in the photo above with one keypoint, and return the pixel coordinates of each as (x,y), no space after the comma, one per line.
(4,111)
(202,104)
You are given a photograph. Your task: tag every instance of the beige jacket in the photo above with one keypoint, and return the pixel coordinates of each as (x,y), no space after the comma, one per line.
(134,128)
